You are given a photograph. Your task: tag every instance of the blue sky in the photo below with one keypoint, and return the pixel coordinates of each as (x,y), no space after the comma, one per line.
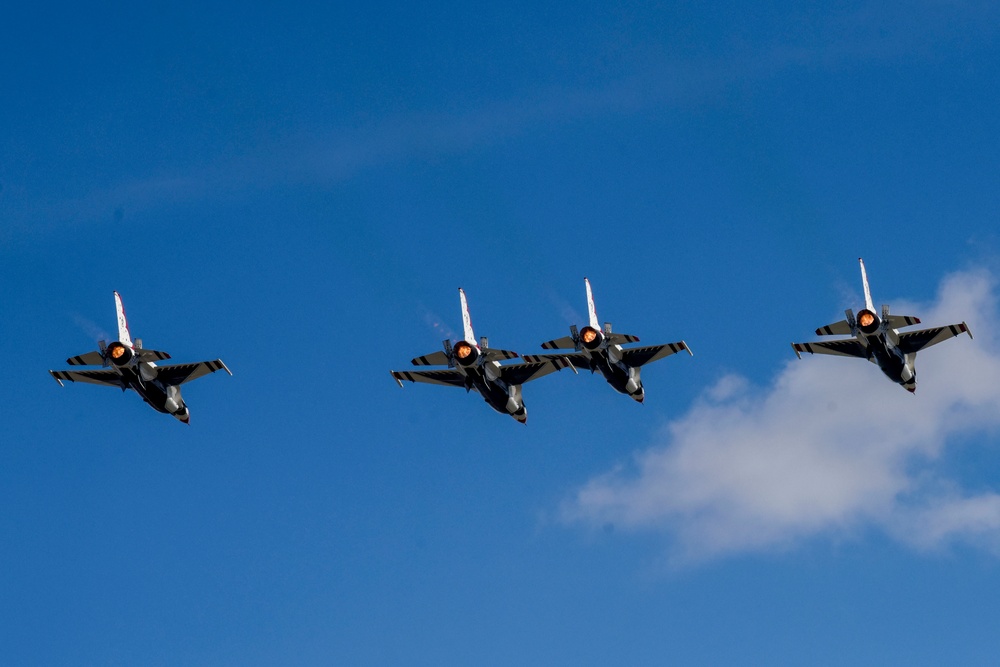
(301,190)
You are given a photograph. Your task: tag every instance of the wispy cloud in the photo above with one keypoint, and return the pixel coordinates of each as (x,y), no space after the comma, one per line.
(829,448)
(334,154)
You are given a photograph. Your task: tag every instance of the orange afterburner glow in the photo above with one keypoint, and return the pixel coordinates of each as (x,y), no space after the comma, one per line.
(866,319)
(589,335)
(463,350)
(117,351)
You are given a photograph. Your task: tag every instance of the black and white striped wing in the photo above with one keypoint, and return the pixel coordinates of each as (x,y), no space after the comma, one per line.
(914,341)
(180,373)
(639,356)
(840,348)
(577,359)
(521,373)
(448,378)
(106,377)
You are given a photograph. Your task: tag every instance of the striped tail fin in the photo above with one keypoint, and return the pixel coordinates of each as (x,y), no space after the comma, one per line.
(123,333)
(591,309)
(470,336)
(868,293)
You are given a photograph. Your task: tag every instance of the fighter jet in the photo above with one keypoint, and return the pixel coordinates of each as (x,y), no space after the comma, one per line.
(877,339)
(599,350)
(129,365)
(477,367)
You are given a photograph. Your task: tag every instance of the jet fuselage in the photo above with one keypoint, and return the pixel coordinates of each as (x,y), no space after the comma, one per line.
(500,396)
(161,397)
(891,361)
(623,378)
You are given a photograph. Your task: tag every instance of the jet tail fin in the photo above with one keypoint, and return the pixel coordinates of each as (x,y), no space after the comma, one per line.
(591,309)
(470,336)
(123,333)
(868,293)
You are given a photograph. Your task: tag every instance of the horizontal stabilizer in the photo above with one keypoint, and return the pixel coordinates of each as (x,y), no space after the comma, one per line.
(564,343)
(493,354)
(841,328)
(432,359)
(900,321)
(151,355)
(619,338)
(88,359)
(914,341)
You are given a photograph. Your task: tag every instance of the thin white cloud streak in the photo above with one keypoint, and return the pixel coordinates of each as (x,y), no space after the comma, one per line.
(871,33)
(830,448)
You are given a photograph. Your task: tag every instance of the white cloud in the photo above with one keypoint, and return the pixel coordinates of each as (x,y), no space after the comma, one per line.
(830,447)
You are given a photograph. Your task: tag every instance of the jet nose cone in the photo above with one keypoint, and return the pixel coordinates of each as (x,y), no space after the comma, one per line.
(912,389)
(639,397)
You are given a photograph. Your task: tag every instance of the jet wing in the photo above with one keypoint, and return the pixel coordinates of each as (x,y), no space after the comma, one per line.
(639,356)
(618,338)
(576,359)
(181,373)
(109,378)
(449,378)
(842,348)
(521,373)
(913,341)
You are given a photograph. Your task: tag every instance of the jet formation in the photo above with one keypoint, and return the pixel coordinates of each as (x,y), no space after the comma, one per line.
(128,365)
(878,340)
(473,365)
(476,367)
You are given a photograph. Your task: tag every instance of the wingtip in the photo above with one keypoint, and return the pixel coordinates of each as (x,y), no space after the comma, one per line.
(795,348)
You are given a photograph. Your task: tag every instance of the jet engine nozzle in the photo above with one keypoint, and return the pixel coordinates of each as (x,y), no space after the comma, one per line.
(120,354)
(868,321)
(591,338)
(465,353)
